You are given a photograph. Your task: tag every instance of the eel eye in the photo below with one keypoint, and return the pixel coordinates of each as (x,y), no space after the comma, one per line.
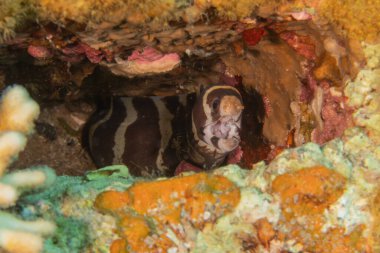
(215,104)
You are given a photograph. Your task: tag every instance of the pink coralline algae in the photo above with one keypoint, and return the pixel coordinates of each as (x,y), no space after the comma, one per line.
(144,62)
(77,52)
(302,44)
(309,87)
(267,105)
(70,53)
(186,167)
(235,156)
(335,114)
(39,52)
(332,115)
(150,55)
(301,15)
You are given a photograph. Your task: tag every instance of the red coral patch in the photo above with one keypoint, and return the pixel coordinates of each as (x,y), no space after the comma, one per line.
(253,36)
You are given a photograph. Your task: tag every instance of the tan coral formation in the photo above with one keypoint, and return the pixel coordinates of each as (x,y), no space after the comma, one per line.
(11,13)
(357,19)
(96,11)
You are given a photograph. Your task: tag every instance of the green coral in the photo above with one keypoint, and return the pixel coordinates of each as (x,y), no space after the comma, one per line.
(71,236)
(364,93)
(69,202)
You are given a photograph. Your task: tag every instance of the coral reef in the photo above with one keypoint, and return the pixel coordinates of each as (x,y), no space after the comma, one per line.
(339,202)
(268,208)
(265,209)
(17,113)
(95,11)
(318,197)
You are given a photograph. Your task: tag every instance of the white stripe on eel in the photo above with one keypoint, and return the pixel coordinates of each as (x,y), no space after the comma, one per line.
(119,139)
(166,131)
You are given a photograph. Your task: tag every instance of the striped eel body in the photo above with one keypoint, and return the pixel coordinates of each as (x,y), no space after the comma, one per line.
(152,135)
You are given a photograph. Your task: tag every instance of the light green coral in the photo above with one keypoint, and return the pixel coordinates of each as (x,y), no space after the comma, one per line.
(69,201)
(357,160)
(364,93)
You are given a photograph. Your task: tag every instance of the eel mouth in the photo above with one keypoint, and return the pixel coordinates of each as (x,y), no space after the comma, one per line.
(227,127)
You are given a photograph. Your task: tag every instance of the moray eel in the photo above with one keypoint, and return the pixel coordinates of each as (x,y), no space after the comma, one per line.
(152,135)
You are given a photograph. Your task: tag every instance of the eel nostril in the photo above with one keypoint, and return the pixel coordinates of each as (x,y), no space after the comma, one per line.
(215,104)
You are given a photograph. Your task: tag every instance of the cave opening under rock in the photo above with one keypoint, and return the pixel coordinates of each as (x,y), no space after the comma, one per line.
(290,73)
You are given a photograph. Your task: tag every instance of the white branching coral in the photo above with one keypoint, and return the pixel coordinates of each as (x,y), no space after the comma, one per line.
(17,114)
(18,111)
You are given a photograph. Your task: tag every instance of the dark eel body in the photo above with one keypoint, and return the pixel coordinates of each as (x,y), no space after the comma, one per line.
(152,135)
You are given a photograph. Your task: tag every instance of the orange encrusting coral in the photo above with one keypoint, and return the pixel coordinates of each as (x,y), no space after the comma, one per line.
(309,191)
(148,210)
(118,246)
(265,232)
(305,195)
